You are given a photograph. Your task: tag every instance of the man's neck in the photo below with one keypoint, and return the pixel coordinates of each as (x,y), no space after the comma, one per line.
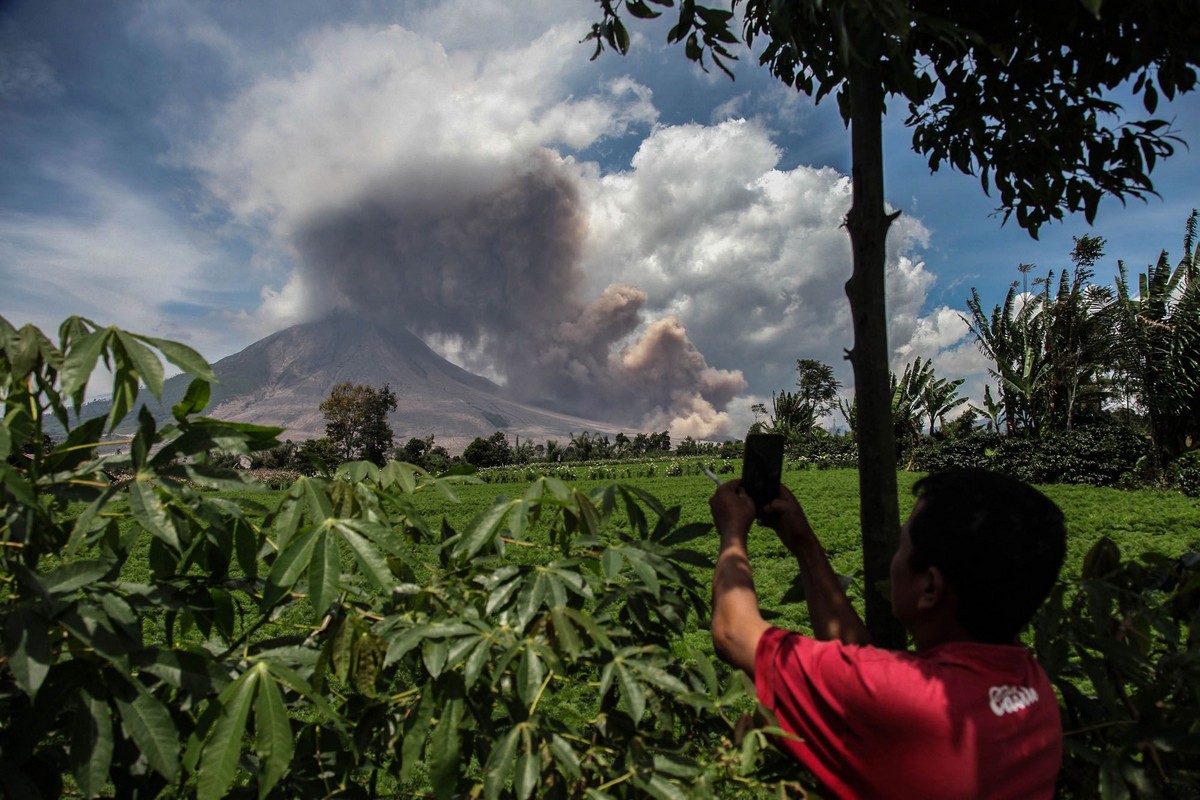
(938,633)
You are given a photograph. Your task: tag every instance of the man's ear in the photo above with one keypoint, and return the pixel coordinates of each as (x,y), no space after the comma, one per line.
(934,589)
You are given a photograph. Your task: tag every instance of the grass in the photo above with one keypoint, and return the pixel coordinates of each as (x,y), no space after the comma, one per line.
(1139,521)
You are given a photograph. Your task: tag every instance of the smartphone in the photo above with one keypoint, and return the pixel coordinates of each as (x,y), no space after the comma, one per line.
(762,466)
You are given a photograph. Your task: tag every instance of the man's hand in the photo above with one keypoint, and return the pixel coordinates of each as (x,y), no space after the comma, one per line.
(732,509)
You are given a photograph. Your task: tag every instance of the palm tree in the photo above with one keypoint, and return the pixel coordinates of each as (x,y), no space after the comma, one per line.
(1078,324)
(907,399)
(849,409)
(793,414)
(1052,350)
(939,398)
(919,393)
(1011,338)
(992,409)
(1159,347)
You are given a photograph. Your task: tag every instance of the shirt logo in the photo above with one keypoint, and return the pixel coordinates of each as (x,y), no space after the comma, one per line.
(1010,699)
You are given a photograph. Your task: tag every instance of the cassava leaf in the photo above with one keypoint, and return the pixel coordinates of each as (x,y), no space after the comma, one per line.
(152,729)
(148,367)
(182,356)
(91,743)
(500,764)
(224,744)
(272,735)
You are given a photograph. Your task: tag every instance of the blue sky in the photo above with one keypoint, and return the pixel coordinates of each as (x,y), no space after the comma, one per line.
(628,237)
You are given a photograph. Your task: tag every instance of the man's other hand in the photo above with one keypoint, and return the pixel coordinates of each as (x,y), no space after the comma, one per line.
(785,516)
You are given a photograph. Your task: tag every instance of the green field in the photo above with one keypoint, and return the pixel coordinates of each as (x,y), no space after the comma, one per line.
(1140,521)
(1143,520)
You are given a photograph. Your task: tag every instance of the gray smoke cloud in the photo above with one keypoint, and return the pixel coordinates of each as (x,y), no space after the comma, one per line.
(489,259)
(396,173)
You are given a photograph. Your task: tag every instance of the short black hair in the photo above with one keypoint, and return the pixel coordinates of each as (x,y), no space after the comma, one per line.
(997,541)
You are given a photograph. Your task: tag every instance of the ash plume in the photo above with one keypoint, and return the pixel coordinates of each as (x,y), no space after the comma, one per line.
(487,257)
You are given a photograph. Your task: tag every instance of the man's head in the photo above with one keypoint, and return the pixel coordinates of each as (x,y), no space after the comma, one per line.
(996,543)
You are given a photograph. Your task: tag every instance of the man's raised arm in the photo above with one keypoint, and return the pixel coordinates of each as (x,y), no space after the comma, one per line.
(829,609)
(737,624)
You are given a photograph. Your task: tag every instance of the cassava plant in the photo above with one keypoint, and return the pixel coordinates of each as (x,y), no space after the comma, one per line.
(1122,645)
(171,629)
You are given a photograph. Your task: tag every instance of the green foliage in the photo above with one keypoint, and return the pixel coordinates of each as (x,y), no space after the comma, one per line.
(796,414)
(1053,351)
(170,629)
(164,639)
(317,456)
(1184,473)
(977,449)
(817,385)
(916,395)
(1059,356)
(590,446)
(792,415)
(825,451)
(1159,346)
(908,400)
(356,421)
(493,451)
(646,444)
(1121,644)
(1095,455)
(425,454)
(962,425)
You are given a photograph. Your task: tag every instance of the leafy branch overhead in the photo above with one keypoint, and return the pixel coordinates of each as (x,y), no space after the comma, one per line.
(1017,95)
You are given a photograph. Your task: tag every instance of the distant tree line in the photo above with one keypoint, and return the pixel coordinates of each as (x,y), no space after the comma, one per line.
(357,429)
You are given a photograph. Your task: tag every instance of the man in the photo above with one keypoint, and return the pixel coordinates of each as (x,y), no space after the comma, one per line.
(970,714)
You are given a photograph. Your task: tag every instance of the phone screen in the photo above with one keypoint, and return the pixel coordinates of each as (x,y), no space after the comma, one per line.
(762,466)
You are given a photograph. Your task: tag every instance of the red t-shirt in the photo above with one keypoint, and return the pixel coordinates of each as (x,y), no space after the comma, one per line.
(962,720)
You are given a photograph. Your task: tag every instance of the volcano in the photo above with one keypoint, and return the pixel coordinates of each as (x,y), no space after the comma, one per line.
(281,381)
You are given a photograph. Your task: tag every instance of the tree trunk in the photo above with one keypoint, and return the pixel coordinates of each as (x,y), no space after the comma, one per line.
(868,223)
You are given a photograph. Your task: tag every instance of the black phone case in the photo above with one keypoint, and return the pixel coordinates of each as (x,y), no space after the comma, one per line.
(762,466)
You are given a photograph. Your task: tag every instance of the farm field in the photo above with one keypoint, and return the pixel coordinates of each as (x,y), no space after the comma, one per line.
(1139,521)
(1144,520)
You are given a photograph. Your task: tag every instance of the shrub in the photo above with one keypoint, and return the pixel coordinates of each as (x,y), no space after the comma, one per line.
(277,479)
(976,449)
(1098,455)
(1184,473)
(825,451)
